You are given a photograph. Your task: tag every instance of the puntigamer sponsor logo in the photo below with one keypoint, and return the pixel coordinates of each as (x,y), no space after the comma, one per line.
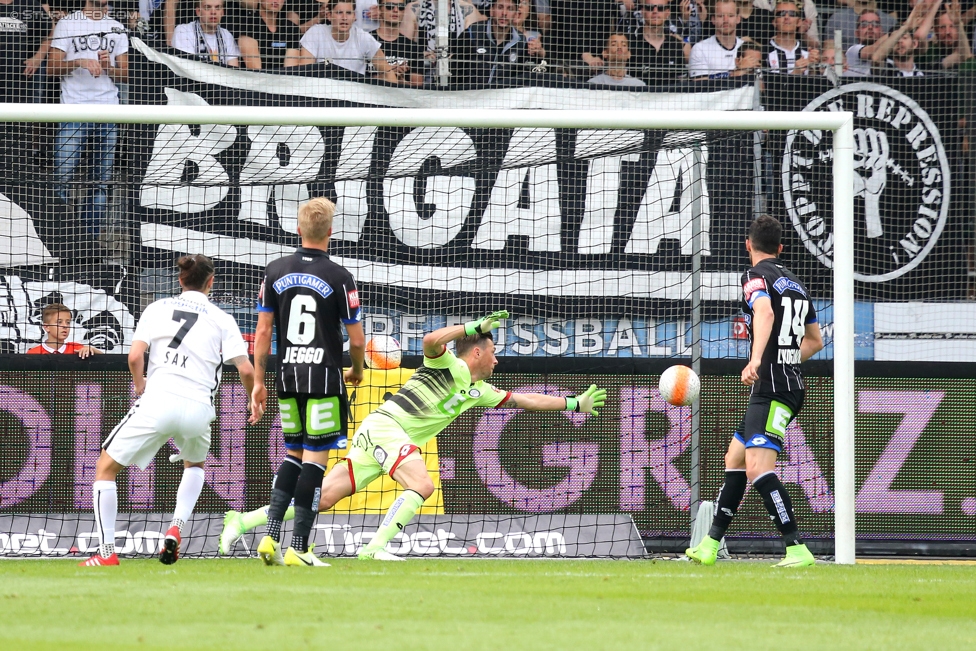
(901,181)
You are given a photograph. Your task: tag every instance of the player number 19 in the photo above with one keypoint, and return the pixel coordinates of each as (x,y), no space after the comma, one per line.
(301,320)
(794,314)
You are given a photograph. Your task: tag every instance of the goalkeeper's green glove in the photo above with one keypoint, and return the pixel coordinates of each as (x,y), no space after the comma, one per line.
(486,324)
(588,401)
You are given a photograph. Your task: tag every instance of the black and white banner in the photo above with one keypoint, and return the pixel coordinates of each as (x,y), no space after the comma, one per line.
(429,215)
(910,234)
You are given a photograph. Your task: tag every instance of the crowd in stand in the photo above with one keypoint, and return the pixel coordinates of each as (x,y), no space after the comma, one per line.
(490,42)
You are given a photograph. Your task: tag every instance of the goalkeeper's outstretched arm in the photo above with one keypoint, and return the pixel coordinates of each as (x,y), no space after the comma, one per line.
(435,341)
(587,402)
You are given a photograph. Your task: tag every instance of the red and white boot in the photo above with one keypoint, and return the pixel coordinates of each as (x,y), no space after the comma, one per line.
(99,561)
(170,553)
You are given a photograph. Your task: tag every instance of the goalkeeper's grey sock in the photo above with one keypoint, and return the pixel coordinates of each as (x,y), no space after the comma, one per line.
(306,504)
(729,498)
(282,492)
(779,506)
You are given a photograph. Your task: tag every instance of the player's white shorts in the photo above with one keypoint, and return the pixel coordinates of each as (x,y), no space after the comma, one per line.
(152,421)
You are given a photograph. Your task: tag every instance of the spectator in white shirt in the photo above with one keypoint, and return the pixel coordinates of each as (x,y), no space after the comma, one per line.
(205,37)
(715,57)
(89,54)
(345,44)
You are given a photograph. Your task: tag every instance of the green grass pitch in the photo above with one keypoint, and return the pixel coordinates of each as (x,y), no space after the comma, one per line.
(499,605)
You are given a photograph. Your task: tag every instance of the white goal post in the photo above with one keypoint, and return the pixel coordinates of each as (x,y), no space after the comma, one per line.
(840,123)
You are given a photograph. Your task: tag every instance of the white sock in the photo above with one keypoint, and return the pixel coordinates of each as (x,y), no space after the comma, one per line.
(186,496)
(106,502)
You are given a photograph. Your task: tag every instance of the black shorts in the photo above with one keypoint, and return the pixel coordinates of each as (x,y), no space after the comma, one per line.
(314,422)
(767,417)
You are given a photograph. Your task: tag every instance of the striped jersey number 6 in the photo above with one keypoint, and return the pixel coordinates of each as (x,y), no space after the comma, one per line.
(794,315)
(301,320)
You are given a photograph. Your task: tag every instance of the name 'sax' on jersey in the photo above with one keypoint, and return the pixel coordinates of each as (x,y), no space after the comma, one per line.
(189,340)
(792,309)
(310,295)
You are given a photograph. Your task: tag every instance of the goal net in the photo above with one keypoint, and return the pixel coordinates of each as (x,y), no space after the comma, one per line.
(615,241)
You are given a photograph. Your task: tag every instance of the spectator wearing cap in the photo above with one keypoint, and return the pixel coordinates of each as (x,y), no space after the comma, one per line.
(205,38)
(616,55)
(657,55)
(715,56)
(785,53)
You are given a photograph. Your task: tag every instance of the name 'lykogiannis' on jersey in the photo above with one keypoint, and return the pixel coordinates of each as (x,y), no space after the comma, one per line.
(792,310)
(310,296)
(435,395)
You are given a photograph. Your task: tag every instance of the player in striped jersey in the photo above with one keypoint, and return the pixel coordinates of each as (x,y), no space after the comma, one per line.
(307,296)
(389,439)
(784,332)
(188,339)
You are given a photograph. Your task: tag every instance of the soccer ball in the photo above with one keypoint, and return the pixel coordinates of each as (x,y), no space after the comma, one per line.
(383,352)
(679,385)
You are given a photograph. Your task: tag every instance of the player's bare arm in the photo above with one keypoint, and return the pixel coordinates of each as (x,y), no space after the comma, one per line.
(262,348)
(245,370)
(357,353)
(812,341)
(762,328)
(137,365)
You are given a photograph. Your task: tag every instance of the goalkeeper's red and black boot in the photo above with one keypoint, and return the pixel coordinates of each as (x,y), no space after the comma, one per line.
(170,553)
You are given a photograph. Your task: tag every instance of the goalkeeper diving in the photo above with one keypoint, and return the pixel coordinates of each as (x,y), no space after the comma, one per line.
(389,439)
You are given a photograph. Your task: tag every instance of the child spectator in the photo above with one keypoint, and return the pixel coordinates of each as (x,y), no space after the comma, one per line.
(57,324)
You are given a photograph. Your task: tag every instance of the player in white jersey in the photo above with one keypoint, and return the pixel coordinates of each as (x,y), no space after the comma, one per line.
(188,339)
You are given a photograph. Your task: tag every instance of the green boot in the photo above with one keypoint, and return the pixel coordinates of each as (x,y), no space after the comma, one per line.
(705,552)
